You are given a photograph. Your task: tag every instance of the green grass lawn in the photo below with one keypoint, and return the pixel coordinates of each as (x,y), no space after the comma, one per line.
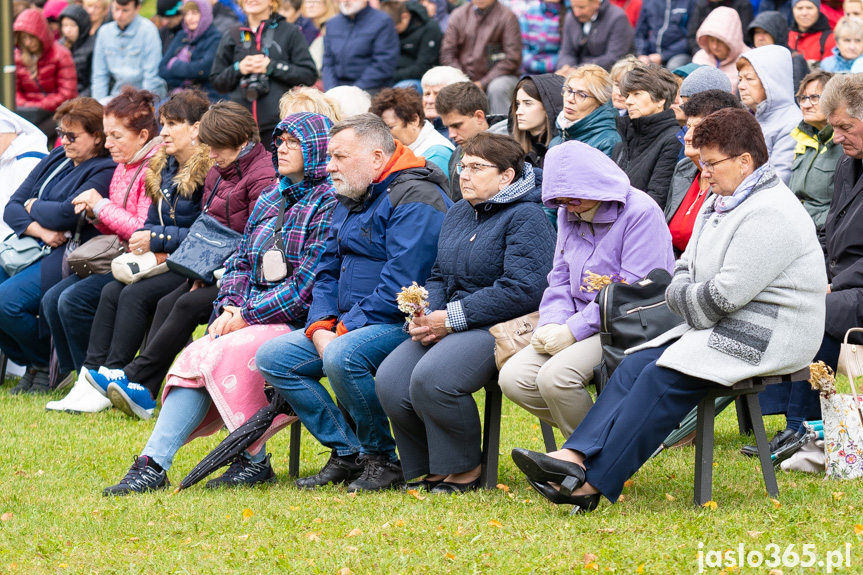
(53,467)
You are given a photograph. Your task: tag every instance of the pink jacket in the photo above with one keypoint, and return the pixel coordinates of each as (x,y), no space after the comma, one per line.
(112,217)
(722,23)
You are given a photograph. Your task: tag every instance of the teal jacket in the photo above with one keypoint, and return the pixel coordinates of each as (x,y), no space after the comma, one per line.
(815,159)
(597,129)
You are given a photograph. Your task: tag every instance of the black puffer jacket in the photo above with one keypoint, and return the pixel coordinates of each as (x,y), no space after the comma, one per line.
(82,49)
(648,152)
(420,44)
(290,65)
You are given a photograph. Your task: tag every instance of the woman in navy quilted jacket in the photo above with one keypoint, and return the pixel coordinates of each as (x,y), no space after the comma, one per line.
(494,253)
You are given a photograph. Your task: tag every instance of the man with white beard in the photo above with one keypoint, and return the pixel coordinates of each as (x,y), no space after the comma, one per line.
(383,237)
(361,48)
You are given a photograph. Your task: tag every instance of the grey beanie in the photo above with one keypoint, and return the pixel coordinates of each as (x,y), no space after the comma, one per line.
(817,3)
(702,79)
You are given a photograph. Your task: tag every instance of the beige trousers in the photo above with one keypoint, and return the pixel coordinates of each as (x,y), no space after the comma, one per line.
(553,387)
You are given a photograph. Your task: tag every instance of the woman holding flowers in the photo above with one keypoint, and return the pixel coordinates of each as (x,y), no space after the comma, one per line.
(607,231)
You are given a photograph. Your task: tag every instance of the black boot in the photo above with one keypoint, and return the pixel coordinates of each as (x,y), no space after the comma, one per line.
(339,469)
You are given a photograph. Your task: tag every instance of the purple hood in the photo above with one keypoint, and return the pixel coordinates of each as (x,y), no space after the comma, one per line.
(628,235)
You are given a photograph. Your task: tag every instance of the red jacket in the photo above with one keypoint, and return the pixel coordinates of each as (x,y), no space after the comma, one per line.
(56,80)
(632,9)
(816,43)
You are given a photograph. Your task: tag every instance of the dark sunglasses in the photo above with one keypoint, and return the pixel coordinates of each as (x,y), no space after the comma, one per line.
(71,136)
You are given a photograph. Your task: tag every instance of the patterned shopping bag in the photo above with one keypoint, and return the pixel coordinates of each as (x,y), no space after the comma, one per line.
(843,416)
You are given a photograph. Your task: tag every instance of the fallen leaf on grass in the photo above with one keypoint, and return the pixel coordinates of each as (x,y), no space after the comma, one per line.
(502,487)
(775,503)
(710,505)
(449,556)
(247,513)
(354,532)
(628,483)
(19,472)
(399,523)
(317,520)
(494,523)
(415,494)
(858,529)
(459,531)
(621,499)
(7,516)
(837,495)
(589,558)
(246,536)
(754,534)
(351,549)
(606,530)
(344,571)
(775,572)
(669,496)
(640,568)
(592,566)
(294,508)
(313,536)
(132,539)
(188,540)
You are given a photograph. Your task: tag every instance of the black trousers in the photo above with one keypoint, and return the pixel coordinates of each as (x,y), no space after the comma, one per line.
(177,316)
(122,319)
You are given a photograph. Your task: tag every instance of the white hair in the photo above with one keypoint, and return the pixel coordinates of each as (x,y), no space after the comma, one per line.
(350,100)
(443,76)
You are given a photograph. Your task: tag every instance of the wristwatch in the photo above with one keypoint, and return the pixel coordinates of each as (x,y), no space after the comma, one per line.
(447,325)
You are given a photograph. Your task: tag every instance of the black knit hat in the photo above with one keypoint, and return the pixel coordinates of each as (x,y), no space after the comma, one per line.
(169,8)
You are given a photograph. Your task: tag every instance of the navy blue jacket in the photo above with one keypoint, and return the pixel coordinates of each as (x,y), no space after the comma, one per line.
(661,28)
(180,203)
(378,245)
(54,210)
(361,51)
(197,70)
(494,258)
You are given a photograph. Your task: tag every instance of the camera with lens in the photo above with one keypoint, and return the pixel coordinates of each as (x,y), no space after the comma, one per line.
(255,86)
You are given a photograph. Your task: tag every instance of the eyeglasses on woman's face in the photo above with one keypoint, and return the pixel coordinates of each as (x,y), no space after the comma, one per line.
(709,167)
(813,98)
(289,143)
(563,202)
(577,95)
(469,169)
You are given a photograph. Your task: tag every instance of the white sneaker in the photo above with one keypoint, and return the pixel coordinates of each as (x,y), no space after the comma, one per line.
(82,399)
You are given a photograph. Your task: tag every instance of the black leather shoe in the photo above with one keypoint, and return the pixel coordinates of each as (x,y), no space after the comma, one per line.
(780,440)
(542,468)
(339,469)
(422,484)
(580,503)
(380,473)
(449,488)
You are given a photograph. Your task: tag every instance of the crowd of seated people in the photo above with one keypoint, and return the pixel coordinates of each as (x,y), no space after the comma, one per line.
(557,140)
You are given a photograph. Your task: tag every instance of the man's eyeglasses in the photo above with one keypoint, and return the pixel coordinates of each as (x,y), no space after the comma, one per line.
(561,202)
(578,95)
(290,143)
(70,136)
(814,98)
(710,166)
(472,168)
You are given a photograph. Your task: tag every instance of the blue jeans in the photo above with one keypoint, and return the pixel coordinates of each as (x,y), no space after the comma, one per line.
(292,365)
(19,322)
(69,308)
(183,410)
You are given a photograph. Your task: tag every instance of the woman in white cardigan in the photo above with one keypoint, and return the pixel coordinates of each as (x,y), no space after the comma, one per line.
(750,288)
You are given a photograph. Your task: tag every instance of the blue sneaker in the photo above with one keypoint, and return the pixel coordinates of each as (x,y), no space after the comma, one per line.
(100,379)
(132,399)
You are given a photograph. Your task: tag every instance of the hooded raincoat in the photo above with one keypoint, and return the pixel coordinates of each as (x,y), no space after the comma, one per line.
(723,24)
(53,81)
(82,48)
(189,58)
(18,160)
(548,86)
(814,168)
(778,114)
(627,236)
(816,42)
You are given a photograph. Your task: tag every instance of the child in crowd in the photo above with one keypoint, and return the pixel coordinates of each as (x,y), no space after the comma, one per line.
(848,49)
(618,71)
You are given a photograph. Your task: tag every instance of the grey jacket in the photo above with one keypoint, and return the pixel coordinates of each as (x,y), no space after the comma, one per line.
(681,181)
(611,37)
(778,114)
(750,287)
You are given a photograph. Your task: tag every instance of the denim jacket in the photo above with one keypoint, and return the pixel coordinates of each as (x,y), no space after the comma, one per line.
(127,57)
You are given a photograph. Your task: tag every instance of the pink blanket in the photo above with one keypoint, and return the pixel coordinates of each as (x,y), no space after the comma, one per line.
(226,368)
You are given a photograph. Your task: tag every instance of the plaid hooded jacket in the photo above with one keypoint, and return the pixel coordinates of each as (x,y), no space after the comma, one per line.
(310,205)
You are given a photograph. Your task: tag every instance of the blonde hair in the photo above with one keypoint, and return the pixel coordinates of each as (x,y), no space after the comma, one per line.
(596,79)
(848,27)
(329,12)
(622,66)
(30,59)
(303,99)
(350,100)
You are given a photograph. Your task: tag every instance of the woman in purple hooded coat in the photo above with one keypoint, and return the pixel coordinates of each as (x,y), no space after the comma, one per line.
(604,227)
(189,59)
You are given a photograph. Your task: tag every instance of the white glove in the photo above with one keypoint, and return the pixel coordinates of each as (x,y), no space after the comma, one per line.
(558,339)
(539,336)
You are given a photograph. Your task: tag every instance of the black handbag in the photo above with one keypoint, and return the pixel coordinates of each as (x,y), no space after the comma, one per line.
(630,315)
(207,246)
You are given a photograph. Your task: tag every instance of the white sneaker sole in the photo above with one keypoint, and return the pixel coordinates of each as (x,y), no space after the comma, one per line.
(125,404)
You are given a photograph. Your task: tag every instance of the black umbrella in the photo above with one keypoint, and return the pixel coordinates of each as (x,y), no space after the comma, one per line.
(233,446)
